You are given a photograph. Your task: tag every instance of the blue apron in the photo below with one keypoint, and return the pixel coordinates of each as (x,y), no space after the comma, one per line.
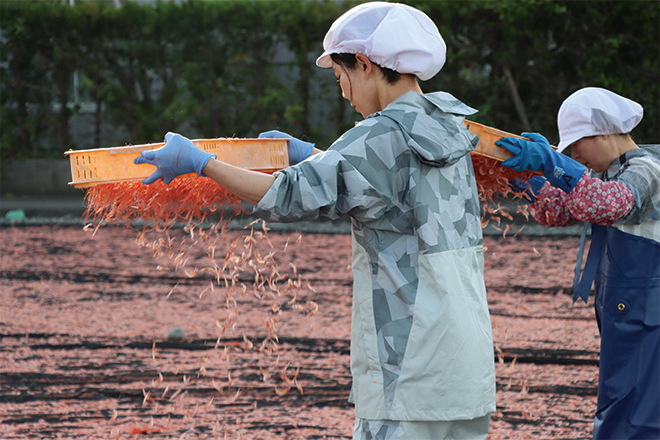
(627,285)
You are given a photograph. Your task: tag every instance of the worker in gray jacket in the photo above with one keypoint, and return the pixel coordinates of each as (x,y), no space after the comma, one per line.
(421,344)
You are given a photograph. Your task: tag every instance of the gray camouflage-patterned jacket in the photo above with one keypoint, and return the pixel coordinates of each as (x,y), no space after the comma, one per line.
(421,342)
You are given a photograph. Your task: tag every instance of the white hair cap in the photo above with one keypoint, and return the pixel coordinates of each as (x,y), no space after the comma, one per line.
(594,111)
(392,35)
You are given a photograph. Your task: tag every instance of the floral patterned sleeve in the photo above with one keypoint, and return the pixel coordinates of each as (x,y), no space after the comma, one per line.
(592,200)
(549,209)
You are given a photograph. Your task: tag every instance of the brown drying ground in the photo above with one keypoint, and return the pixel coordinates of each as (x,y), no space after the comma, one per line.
(85,354)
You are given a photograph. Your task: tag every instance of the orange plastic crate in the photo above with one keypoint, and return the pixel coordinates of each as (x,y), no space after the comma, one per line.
(114,165)
(487,138)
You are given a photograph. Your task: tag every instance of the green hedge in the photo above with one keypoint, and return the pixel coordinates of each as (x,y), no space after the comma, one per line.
(235,68)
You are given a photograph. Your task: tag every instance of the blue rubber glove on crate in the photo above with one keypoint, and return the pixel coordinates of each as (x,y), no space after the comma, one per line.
(179,156)
(298,150)
(536,155)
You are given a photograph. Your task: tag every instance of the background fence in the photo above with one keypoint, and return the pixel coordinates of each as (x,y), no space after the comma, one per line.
(94,75)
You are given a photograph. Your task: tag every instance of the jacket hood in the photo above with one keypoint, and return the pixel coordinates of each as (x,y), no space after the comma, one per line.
(651,149)
(643,150)
(615,167)
(433,126)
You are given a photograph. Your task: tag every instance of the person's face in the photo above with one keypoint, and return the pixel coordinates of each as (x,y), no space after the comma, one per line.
(594,152)
(356,88)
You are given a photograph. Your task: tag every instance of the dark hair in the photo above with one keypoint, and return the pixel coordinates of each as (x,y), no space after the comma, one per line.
(349,61)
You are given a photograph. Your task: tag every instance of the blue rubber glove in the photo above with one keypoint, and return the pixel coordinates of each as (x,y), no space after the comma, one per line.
(537,154)
(528,188)
(298,150)
(179,156)
(527,155)
(563,172)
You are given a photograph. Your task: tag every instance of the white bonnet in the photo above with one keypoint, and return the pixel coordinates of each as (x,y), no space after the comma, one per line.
(594,111)
(392,35)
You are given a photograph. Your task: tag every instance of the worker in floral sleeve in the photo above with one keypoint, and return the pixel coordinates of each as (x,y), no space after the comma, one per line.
(421,345)
(620,198)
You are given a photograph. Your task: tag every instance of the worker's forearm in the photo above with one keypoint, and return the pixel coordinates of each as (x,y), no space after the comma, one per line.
(249,186)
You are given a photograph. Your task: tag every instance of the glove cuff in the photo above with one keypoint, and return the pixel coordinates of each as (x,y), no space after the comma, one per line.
(204,161)
(308,150)
(300,152)
(562,171)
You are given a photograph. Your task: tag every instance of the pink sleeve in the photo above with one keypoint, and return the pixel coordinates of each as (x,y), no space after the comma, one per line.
(549,209)
(592,200)
(595,201)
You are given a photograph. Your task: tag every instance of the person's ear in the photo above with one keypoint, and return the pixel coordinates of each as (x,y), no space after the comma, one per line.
(364,65)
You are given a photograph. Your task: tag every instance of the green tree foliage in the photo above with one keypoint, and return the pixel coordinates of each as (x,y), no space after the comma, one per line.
(235,68)
(542,51)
